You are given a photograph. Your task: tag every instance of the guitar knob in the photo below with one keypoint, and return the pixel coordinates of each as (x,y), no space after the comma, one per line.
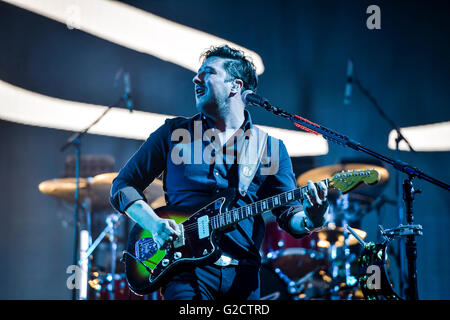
(177,255)
(165,262)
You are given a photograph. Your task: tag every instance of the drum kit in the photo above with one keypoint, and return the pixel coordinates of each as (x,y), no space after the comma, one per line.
(323,265)
(319,266)
(98,258)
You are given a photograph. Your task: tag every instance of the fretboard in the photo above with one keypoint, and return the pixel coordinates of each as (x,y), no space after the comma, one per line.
(228,218)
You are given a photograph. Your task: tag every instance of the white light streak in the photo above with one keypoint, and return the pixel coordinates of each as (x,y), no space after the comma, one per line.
(30,108)
(134,28)
(426,138)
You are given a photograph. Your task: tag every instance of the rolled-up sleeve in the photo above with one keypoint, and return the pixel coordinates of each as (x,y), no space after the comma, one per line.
(281,181)
(141,169)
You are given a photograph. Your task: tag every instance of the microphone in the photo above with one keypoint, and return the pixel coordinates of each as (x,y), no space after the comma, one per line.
(348,83)
(249,97)
(127,93)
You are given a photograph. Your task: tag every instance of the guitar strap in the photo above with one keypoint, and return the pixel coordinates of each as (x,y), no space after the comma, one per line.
(249,158)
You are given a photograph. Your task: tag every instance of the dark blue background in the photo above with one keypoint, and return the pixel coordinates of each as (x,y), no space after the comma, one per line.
(304,45)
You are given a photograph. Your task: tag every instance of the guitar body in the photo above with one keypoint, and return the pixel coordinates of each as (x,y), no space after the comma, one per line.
(148,268)
(196,246)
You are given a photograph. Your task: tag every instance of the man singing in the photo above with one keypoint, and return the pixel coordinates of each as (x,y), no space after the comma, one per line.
(224,123)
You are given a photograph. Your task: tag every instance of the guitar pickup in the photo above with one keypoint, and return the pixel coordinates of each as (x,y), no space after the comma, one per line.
(181,240)
(203,226)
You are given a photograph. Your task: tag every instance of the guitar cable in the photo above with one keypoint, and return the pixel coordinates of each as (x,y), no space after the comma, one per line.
(138,260)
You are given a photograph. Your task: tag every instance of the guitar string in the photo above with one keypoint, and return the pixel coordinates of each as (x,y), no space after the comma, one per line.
(229,214)
(222,216)
(193,227)
(218,218)
(254,207)
(239,211)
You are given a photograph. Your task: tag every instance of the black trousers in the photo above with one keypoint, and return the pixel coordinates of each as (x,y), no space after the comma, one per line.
(213,282)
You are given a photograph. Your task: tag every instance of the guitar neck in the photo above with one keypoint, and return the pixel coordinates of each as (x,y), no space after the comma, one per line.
(231,217)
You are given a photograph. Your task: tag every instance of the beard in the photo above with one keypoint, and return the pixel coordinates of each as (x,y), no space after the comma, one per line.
(210,106)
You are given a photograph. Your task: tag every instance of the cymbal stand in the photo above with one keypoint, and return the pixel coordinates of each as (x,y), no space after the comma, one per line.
(112,222)
(112,240)
(85,242)
(410,231)
(75,140)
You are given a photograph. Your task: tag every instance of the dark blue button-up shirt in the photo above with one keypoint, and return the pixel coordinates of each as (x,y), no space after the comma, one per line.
(193,177)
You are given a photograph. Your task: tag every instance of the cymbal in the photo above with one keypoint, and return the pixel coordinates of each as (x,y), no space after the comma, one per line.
(64,189)
(96,188)
(154,192)
(159,202)
(321,173)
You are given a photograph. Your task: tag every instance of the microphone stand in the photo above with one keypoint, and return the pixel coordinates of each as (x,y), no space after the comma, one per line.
(408,191)
(75,141)
(398,187)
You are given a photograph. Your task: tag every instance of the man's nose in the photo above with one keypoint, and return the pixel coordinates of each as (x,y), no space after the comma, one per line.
(198,78)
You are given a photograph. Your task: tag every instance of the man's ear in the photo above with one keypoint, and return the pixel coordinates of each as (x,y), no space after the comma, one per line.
(236,85)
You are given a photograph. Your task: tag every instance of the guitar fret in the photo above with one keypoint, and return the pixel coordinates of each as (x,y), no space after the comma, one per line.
(276,200)
(241,213)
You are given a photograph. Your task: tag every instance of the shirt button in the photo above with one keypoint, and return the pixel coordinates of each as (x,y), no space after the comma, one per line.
(216,173)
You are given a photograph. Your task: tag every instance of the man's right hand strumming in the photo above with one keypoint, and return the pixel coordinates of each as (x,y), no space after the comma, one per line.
(164,231)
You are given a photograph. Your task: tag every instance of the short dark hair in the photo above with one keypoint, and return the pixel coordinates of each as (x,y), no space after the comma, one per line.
(239,67)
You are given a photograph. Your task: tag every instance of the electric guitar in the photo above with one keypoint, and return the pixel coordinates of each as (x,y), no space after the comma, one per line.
(147,267)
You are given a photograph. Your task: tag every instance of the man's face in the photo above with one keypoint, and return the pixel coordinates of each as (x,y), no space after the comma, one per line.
(212,86)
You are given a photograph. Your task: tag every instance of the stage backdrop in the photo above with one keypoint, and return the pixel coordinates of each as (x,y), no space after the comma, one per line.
(304,45)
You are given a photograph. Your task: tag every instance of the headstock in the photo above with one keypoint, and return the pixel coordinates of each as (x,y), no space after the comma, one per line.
(350,179)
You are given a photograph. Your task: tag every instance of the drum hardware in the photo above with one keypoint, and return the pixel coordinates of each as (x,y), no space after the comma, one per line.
(75,141)
(94,194)
(112,222)
(102,283)
(373,263)
(402,231)
(331,274)
(408,191)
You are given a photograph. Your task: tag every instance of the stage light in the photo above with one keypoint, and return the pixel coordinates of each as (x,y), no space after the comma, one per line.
(84,246)
(134,28)
(30,108)
(425,138)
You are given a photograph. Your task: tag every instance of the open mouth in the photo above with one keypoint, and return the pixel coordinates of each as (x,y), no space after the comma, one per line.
(200,91)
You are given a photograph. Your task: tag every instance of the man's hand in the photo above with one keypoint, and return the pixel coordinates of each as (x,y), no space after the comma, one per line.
(315,203)
(164,232)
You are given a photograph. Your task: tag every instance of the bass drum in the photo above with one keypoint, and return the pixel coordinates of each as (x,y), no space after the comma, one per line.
(272,287)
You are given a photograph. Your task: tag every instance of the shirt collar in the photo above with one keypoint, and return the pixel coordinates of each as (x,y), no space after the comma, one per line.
(248,124)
